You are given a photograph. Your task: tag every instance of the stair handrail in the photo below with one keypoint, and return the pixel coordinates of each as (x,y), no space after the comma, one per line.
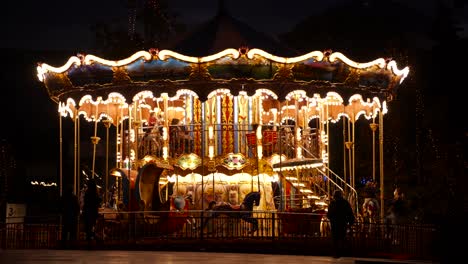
(353,191)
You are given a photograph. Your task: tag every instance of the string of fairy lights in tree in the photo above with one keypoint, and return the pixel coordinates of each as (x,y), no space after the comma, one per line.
(419,118)
(132,10)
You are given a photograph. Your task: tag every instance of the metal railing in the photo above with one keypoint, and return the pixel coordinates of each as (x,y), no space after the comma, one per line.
(182,140)
(153,228)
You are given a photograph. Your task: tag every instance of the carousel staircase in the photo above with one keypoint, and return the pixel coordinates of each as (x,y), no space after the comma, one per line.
(315,186)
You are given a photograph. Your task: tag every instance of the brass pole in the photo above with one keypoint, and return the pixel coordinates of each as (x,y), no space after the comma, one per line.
(382,210)
(95,140)
(328,147)
(350,162)
(75,151)
(373,127)
(328,143)
(354,154)
(117,145)
(61,152)
(344,149)
(78,140)
(107,123)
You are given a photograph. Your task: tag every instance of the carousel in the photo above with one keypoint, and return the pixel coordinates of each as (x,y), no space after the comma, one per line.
(219,127)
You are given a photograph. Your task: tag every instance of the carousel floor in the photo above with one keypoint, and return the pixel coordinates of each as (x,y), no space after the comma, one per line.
(173,257)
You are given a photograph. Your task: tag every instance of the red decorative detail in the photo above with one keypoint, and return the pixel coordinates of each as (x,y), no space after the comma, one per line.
(154,51)
(81,56)
(243,50)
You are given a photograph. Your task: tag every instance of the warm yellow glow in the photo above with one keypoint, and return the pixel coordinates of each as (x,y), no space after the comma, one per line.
(116,173)
(44,68)
(164,54)
(268,92)
(211,152)
(299,167)
(384,107)
(164,133)
(233,52)
(210,132)
(165,153)
(259,151)
(337,55)
(403,72)
(296,95)
(317,54)
(259,132)
(298,134)
(223,92)
(90,59)
(321,203)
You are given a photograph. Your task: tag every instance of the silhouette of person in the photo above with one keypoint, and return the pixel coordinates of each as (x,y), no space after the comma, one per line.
(70,209)
(341,217)
(92,202)
(397,211)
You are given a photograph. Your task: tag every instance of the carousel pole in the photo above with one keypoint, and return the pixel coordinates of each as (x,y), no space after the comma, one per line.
(349,144)
(75,151)
(353,125)
(61,152)
(78,167)
(328,143)
(203,122)
(344,150)
(107,124)
(129,164)
(373,127)
(95,140)
(381,141)
(136,126)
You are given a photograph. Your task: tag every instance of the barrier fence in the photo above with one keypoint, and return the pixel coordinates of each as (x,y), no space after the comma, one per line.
(157,228)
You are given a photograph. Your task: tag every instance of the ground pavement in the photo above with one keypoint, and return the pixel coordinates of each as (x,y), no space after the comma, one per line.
(172,257)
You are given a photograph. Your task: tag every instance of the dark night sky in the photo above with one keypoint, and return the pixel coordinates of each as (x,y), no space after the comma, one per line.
(54,24)
(50,25)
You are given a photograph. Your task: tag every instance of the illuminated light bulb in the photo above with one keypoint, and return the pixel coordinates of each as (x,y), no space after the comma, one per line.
(259,132)
(165,153)
(210,132)
(211,152)
(164,133)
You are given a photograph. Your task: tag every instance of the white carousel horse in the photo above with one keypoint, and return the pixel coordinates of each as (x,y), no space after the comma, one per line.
(242,211)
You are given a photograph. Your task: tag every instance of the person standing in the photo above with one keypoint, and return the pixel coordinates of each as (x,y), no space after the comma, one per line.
(397,211)
(341,217)
(70,209)
(92,202)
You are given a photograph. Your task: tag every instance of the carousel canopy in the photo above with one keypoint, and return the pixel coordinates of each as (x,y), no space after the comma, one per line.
(241,69)
(94,85)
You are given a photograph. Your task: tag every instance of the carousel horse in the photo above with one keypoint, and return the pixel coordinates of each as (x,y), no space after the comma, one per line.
(173,215)
(242,211)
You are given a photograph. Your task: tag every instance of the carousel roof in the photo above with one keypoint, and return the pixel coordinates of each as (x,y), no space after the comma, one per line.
(238,70)
(93,86)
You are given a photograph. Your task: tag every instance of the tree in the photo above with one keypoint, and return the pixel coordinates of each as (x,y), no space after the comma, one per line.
(148,25)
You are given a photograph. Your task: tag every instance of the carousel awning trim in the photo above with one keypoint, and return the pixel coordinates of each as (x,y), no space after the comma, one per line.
(96,110)
(88,59)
